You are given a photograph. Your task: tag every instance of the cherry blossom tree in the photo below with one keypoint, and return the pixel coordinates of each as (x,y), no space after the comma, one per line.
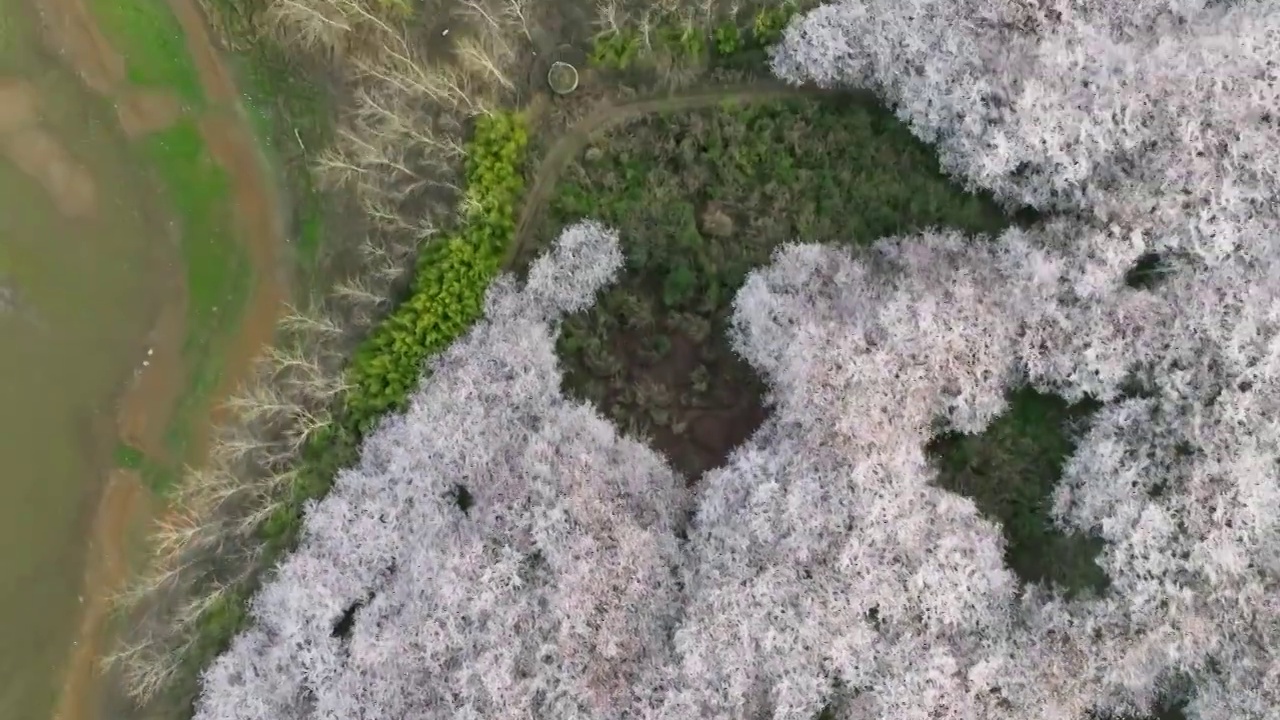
(501,551)
(1149,125)
(550,592)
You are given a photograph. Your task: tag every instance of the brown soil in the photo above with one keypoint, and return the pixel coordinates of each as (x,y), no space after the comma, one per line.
(142,409)
(38,153)
(123,498)
(70,29)
(711,426)
(714,220)
(145,111)
(19,106)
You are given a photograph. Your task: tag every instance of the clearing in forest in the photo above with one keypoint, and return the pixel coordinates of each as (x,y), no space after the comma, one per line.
(702,187)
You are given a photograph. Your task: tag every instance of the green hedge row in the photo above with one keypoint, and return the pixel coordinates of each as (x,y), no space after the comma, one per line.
(448,291)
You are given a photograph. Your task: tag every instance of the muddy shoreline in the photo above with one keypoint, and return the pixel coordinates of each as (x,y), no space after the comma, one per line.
(146,404)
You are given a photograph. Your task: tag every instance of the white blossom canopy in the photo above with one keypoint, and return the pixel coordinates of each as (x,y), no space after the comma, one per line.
(564,592)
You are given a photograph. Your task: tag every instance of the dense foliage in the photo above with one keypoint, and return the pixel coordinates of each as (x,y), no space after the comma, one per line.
(1010,470)
(1152,125)
(448,290)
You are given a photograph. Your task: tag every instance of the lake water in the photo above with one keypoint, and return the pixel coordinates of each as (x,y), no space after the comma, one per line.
(84,250)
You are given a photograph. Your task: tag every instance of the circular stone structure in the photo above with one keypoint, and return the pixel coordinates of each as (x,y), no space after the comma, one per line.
(562,77)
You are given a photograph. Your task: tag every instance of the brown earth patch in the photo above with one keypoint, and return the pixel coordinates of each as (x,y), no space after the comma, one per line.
(19,105)
(71,30)
(153,393)
(695,421)
(39,154)
(145,111)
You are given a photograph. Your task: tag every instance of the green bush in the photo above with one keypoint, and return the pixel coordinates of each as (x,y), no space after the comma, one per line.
(727,38)
(615,50)
(448,290)
(770,22)
(683,41)
(733,44)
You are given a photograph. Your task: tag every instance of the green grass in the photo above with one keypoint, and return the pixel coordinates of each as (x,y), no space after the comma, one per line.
(128,457)
(1010,471)
(216,266)
(156,476)
(292,113)
(151,40)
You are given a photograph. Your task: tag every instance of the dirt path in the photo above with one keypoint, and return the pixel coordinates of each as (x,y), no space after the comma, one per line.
(233,145)
(580,135)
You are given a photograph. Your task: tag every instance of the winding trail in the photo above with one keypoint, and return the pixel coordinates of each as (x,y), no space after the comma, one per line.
(573,142)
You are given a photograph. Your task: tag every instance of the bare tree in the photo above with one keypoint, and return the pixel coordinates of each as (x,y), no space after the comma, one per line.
(312,321)
(486,56)
(312,25)
(517,11)
(610,17)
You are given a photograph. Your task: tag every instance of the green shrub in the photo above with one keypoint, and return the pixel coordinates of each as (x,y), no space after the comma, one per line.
(683,41)
(727,38)
(770,22)
(733,45)
(448,290)
(615,50)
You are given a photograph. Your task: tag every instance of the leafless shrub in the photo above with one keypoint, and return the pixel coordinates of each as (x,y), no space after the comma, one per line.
(317,26)
(610,17)
(517,12)
(309,322)
(486,56)
(357,291)
(335,169)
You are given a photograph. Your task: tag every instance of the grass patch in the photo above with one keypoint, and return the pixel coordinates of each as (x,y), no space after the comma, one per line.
(128,457)
(156,475)
(291,112)
(1010,471)
(217,269)
(154,47)
(700,199)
